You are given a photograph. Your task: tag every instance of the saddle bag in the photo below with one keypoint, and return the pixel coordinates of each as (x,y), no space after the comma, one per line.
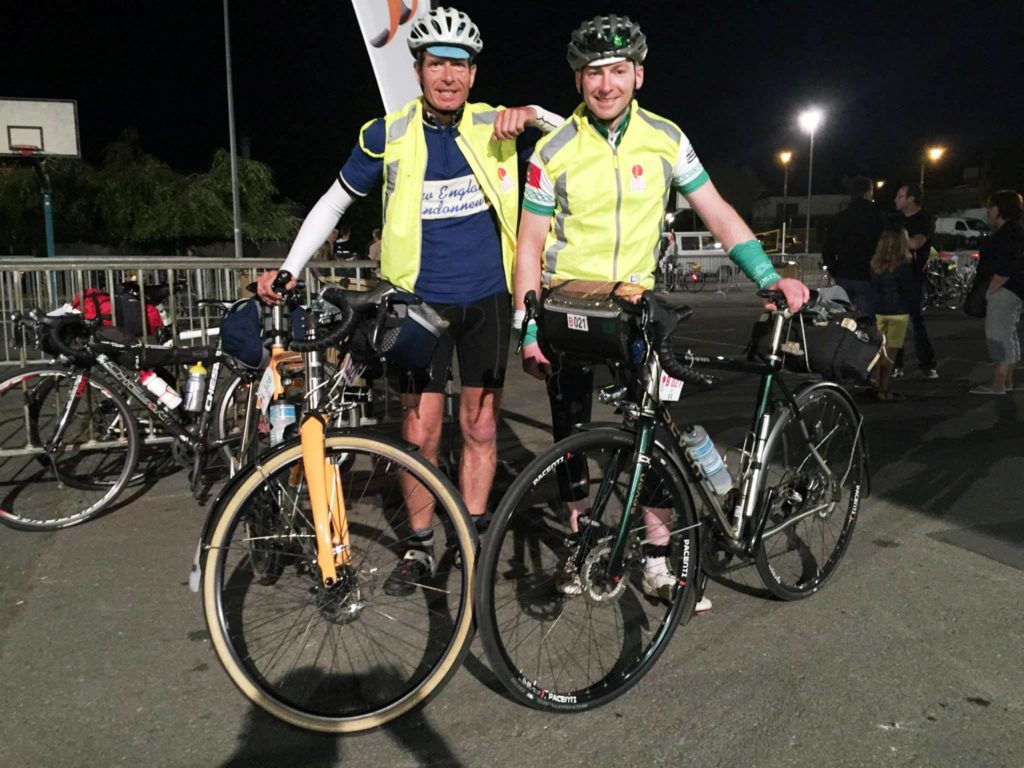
(835,347)
(592,322)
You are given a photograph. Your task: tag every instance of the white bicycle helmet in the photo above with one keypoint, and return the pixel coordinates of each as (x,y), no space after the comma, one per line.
(605,40)
(446,32)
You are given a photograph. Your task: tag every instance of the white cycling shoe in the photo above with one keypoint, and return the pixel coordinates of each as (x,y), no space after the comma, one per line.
(658,582)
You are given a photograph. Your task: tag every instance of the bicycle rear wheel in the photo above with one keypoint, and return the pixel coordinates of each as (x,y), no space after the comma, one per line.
(815,505)
(351,657)
(45,488)
(564,652)
(694,281)
(239,421)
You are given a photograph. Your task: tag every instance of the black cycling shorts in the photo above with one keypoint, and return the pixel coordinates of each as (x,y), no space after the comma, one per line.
(479,332)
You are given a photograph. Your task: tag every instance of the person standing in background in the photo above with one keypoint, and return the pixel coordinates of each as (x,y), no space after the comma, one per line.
(850,245)
(920,228)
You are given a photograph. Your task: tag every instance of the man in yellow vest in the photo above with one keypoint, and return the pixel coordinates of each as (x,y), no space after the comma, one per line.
(593,206)
(450,200)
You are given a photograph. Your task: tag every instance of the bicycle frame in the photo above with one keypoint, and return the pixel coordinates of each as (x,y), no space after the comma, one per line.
(323,478)
(750,502)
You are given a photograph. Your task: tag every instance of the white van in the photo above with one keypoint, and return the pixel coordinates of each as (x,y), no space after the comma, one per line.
(953,232)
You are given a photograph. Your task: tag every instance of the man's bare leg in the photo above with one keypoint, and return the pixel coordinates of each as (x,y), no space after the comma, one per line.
(422,418)
(478,420)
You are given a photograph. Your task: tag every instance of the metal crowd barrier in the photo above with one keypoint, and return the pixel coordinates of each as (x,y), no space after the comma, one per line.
(717,267)
(48,283)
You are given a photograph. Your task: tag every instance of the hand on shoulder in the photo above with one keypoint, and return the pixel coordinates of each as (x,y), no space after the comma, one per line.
(513,121)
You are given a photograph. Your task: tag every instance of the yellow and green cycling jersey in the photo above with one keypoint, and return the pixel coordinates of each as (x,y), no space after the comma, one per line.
(607,192)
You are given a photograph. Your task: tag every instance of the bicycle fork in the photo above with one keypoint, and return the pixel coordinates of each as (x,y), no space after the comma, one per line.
(641,461)
(323,482)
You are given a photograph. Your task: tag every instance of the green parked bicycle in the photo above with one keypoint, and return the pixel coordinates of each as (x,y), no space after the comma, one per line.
(791,513)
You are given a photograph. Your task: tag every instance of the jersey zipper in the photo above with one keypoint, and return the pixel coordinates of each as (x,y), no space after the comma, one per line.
(618,212)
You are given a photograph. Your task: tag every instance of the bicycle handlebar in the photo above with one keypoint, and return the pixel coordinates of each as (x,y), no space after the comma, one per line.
(280,284)
(339,332)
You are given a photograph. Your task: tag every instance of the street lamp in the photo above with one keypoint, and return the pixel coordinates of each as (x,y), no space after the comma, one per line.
(809,121)
(784,158)
(934,154)
(880,183)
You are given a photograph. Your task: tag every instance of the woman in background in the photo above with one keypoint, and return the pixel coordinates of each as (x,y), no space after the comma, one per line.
(891,279)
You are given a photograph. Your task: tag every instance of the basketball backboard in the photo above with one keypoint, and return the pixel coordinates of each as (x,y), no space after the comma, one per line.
(39,127)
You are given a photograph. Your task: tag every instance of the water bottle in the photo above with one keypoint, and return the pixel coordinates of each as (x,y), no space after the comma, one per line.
(160,388)
(195,388)
(702,450)
(281,415)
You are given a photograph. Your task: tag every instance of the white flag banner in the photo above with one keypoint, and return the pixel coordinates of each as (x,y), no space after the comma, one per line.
(385,25)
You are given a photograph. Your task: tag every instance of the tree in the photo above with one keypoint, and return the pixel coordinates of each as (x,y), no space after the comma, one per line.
(135,200)
(20,208)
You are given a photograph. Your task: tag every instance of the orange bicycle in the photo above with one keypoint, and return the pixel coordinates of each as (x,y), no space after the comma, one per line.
(294,556)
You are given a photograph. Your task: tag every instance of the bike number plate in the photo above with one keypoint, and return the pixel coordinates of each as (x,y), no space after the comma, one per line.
(577,322)
(669,389)
(265,391)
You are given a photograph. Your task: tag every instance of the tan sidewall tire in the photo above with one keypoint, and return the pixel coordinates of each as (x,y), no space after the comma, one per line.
(438,676)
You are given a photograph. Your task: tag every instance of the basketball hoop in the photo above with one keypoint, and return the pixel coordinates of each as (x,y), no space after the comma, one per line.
(25,150)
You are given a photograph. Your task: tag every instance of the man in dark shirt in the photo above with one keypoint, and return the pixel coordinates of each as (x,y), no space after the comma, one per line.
(850,243)
(920,227)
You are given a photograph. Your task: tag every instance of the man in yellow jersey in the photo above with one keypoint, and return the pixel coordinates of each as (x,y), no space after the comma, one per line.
(593,206)
(449,171)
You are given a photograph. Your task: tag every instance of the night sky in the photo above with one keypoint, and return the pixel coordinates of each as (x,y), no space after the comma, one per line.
(892,77)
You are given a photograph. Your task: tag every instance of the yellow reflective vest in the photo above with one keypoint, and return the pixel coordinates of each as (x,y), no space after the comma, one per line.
(610,201)
(494,163)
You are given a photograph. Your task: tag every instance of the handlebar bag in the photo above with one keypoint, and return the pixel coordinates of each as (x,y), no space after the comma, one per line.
(241,332)
(403,332)
(591,322)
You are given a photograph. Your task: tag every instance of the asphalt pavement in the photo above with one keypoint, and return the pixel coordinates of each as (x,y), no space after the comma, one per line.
(912,656)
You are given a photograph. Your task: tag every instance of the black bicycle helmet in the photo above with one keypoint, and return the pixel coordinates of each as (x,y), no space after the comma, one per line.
(605,39)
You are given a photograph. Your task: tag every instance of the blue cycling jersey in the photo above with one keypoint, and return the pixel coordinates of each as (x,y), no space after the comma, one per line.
(460,262)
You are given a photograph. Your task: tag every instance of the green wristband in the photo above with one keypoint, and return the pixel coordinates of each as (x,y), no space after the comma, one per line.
(530,337)
(751,258)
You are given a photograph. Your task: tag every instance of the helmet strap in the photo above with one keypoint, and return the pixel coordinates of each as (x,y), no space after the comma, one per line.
(435,116)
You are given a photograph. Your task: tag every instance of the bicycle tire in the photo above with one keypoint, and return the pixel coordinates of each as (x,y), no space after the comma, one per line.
(278,666)
(818,512)
(44,490)
(232,411)
(524,621)
(694,282)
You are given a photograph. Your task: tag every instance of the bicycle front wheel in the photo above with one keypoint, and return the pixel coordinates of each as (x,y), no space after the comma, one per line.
(694,282)
(815,503)
(561,633)
(359,654)
(45,485)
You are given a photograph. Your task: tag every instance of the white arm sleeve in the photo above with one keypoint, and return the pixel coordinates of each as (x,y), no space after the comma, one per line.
(317,226)
(547,121)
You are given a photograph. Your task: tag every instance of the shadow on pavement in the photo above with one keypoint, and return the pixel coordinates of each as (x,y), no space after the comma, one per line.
(267,742)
